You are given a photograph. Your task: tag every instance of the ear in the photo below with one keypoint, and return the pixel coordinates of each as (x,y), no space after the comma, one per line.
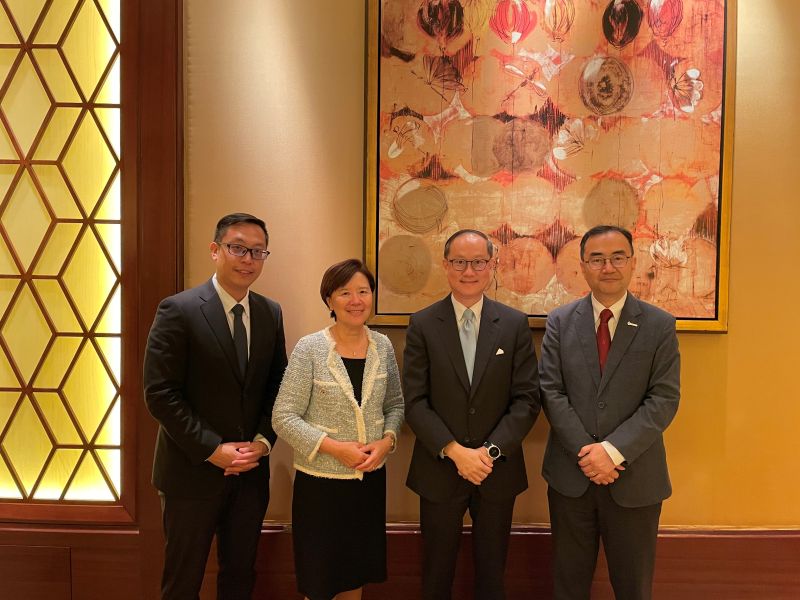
(214,248)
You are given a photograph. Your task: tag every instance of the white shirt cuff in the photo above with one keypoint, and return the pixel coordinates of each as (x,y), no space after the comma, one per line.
(263,440)
(613,453)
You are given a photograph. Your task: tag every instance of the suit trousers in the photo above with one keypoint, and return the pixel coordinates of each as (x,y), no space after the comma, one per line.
(629,542)
(235,516)
(442,524)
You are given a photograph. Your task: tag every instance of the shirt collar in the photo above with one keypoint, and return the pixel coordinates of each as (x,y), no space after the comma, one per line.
(616,308)
(460,308)
(227,300)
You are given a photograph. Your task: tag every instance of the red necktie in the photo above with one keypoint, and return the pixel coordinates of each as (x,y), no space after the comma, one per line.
(603,337)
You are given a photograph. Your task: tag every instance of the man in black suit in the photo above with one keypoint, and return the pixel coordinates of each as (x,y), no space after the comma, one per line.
(213,365)
(471,392)
(610,376)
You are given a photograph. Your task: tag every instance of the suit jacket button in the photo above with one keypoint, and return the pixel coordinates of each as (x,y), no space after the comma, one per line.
(601,405)
(472,411)
(466,440)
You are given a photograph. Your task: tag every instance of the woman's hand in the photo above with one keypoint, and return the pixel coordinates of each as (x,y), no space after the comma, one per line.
(377,452)
(350,454)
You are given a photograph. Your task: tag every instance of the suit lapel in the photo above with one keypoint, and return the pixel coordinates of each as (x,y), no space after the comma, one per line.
(262,329)
(214,314)
(623,336)
(487,338)
(584,325)
(449,332)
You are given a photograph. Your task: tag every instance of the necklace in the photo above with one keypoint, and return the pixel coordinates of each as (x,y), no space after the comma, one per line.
(349,349)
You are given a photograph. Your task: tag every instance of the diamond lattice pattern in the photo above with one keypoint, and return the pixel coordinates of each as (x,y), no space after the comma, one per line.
(60,251)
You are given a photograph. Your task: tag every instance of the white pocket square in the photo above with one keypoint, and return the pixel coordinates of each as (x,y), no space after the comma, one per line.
(499,352)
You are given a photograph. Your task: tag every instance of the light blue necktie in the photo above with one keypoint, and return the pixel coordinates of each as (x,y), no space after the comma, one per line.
(469,340)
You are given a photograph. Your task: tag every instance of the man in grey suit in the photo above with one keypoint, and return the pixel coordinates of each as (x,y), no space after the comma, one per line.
(610,381)
(471,392)
(213,365)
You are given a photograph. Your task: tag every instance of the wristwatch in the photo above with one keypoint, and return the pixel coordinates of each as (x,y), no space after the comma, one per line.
(492,450)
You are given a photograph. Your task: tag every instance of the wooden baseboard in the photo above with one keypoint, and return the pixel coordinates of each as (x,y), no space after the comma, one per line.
(691,564)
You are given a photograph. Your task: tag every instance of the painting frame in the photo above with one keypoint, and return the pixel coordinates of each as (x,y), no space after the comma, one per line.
(718,323)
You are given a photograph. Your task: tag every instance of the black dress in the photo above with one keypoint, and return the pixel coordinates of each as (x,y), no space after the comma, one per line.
(339,525)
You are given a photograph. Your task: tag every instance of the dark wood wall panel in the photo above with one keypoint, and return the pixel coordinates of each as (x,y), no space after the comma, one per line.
(696,565)
(91,564)
(35,572)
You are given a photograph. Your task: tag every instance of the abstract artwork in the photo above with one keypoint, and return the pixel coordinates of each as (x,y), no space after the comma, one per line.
(534,120)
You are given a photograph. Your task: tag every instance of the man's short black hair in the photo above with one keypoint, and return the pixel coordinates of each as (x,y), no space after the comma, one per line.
(600,230)
(235,219)
(460,232)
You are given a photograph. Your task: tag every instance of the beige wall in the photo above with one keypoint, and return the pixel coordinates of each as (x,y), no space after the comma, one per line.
(274,126)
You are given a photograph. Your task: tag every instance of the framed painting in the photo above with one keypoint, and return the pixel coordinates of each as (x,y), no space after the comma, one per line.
(533,121)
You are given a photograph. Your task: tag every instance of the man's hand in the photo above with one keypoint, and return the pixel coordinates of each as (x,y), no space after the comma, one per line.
(473,464)
(597,465)
(248,458)
(377,452)
(237,457)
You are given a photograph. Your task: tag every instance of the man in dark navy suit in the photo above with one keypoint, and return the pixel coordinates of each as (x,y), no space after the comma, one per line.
(213,365)
(472,394)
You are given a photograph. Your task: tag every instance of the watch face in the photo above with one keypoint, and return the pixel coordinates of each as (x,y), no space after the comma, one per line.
(494,452)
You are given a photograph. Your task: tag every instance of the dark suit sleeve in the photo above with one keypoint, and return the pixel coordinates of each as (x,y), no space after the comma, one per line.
(165,368)
(276,370)
(637,433)
(564,421)
(523,404)
(424,421)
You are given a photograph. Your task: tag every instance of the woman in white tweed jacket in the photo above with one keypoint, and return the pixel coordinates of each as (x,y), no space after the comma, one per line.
(340,407)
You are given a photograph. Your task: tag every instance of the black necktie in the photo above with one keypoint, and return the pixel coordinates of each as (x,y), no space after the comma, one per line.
(240,337)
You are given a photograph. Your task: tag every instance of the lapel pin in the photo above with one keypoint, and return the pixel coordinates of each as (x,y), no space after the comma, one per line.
(499,352)
(632,324)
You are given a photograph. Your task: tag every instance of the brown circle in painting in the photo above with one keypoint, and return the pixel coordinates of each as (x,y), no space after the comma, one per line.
(419,207)
(526,265)
(405,264)
(468,143)
(522,146)
(606,85)
(568,268)
(611,201)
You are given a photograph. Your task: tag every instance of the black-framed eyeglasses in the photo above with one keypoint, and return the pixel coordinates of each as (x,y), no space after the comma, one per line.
(598,262)
(460,264)
(239,250)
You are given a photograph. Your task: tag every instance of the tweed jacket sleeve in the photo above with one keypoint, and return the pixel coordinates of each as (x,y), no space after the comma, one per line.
(293,400)
(393,409)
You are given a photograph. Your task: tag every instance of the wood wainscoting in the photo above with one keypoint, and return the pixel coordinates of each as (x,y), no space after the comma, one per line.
(692,564)
(108,563)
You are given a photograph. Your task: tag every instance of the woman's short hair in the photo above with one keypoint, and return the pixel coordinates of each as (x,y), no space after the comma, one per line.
(339,274)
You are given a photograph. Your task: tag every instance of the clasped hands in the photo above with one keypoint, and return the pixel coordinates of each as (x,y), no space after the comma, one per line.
(597,465)
(358,456)
(473,464)
(237,457)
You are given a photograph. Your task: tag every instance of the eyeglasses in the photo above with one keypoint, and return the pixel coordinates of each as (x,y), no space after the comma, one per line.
(460,264)
(598,262)
(239,250)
